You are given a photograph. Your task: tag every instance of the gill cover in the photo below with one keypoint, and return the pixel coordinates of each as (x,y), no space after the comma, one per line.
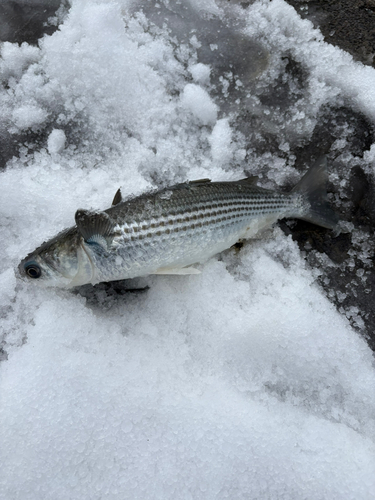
(96,231)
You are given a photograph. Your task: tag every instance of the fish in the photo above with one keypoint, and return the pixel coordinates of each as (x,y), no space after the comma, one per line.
(170,230)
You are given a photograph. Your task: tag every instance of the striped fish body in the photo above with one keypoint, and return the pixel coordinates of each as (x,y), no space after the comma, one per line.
(186,224)
(168,231)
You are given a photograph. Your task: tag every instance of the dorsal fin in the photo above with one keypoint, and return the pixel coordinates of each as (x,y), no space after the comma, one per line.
(118,197)
(94,226)
(200,181)
(253,179)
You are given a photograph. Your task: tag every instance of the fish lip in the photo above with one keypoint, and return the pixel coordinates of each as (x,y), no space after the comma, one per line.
(19,272)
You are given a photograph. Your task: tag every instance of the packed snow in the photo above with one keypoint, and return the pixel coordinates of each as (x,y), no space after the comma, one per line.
(241,382)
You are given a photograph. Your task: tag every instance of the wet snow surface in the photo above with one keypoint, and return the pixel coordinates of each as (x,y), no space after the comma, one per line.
(251,380)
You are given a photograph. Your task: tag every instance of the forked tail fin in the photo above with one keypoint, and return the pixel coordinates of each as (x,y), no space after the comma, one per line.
(312,187)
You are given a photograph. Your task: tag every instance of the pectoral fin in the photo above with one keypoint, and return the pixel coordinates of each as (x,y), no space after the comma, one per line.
(199,182)
(95,227)
(177,270)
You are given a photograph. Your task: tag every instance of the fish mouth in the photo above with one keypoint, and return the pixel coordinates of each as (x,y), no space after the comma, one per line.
(20,272)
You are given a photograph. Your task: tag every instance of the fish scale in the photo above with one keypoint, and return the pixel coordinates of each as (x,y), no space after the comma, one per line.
(168,231)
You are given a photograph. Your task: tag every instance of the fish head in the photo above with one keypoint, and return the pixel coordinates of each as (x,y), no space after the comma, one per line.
(60,262)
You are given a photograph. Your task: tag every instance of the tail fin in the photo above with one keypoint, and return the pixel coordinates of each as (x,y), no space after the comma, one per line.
(312,187)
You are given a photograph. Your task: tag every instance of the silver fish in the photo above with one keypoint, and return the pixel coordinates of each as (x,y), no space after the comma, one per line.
(167,231)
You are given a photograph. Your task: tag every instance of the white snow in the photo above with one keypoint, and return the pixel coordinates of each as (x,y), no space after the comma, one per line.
(199,103)
(220,142)
(332,70)
(241,382)
(56,141)
(15,59)
(200,73)
(28,116)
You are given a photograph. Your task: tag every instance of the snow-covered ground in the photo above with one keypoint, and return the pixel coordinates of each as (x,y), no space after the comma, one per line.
(242,382)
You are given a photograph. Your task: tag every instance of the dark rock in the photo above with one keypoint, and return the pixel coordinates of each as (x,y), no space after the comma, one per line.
(25,21)
(361,191)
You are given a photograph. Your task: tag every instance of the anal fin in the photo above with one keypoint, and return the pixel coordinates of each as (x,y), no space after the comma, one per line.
(177,270)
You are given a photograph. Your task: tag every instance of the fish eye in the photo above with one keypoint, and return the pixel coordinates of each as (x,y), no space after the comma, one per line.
(33,270)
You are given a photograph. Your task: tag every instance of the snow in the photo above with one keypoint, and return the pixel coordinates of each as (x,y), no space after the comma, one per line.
(331,70)
(56,141)
(28,116)
(200,73)
(241,382)
(198,102)
(220,142)
(15,59)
